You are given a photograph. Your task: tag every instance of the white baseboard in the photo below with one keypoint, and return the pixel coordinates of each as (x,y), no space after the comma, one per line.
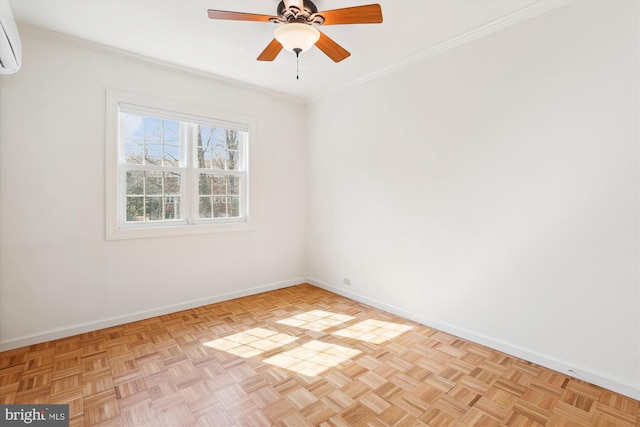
(597,378)
(140,315)
(600,379)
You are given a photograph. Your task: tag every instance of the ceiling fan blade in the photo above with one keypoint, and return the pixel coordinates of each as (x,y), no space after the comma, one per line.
(271,51)
(239,16)
(332,49)
(367,14)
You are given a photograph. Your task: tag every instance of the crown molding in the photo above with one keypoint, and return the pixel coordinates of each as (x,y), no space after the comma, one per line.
(527,12)
(95,47)
(519,15)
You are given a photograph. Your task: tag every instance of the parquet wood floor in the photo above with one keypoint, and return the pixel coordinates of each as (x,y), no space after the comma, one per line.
(299,356)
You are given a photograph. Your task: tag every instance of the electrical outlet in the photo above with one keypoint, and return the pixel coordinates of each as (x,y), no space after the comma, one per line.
(346,281)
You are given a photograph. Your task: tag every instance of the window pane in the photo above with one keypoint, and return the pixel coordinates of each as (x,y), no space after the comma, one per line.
(233,206)
(234,185)
(133,136)
(211,147)
(218,148)
(233,160)
(205,184)
(172,207)
(225,190)
(226,207)
(232,139)
(171,155)
(206,207)
(150,140)
(135,182)
(153,154)
(219,207)
(135,208)
(134,154)
(146,191)
(204,144)
(172,183)
(220,185)
(154,183)
(153,208)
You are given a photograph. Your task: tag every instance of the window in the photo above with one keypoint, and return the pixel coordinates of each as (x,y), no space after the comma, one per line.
(174,172)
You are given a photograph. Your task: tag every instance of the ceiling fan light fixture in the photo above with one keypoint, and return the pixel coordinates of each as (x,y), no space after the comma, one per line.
(294,36)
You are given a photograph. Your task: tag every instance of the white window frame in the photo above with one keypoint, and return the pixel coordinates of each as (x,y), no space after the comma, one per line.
(116,225)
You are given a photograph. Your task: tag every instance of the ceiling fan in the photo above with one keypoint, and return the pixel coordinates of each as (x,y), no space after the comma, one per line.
(298,33)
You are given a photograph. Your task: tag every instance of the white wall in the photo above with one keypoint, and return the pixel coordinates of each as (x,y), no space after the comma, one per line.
(493,191)
(58,274)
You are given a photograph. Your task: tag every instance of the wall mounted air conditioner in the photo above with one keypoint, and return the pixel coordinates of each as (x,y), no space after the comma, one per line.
(10,46)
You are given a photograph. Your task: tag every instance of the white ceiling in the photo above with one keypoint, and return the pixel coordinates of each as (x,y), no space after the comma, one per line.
(179,32)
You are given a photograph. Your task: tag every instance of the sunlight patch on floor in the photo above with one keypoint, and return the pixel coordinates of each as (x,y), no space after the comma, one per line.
(313,358)
(252,342)
(316,320)
(373,331)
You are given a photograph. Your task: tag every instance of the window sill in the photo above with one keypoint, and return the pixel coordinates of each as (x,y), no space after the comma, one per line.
(177,230)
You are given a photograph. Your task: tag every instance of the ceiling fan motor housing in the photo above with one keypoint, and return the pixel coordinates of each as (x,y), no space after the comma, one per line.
(307,15)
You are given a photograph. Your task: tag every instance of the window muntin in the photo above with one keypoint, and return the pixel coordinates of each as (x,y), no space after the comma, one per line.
(150,140)
(219,196)
(176,169)
(219,149)
(153,195)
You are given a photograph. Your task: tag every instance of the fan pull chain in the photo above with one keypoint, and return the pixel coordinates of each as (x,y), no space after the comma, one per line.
(297,51)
